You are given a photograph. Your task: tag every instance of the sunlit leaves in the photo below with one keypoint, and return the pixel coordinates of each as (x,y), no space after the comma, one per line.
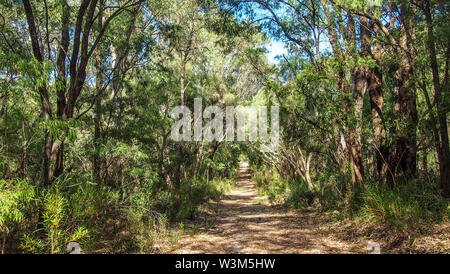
(14,198)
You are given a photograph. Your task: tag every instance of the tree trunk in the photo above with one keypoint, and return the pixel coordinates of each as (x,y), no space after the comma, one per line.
(404,154)
(375,88)
(96,165)
(359,86)
(45,101)
(442,148)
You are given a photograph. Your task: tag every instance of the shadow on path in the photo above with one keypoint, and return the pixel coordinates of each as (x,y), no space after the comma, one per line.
(246,223)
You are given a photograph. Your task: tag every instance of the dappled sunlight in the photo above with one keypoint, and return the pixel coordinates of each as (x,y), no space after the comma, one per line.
(247,223)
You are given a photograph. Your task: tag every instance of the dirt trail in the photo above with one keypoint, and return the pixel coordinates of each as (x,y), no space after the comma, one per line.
(246,223)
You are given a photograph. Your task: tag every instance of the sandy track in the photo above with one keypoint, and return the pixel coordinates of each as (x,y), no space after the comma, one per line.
(246,223)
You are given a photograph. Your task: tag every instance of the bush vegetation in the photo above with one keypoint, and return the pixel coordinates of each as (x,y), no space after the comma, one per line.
(405,208)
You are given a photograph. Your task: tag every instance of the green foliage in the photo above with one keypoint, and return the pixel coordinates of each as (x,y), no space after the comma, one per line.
(57,211)
(199,192)
(15,198)
(290,192)
(15,195)
(117,178)
(61,130)
(408,207)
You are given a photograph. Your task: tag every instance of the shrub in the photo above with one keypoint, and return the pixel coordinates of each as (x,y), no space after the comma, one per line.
(198,192)
(15,196)
(407,206)
(59,220)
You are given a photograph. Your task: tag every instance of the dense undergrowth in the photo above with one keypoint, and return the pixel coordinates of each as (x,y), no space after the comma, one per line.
(37,219)
(92,98)
(404,208)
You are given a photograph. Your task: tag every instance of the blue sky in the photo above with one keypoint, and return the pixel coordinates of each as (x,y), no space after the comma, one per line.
(275,48)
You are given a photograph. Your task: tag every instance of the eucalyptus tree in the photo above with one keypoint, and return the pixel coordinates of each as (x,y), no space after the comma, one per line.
(62,46)
(363,56)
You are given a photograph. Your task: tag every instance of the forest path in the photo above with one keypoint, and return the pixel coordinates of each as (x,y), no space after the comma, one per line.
(246,223)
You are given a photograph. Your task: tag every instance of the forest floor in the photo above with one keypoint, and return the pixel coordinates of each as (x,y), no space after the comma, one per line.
(245,222)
